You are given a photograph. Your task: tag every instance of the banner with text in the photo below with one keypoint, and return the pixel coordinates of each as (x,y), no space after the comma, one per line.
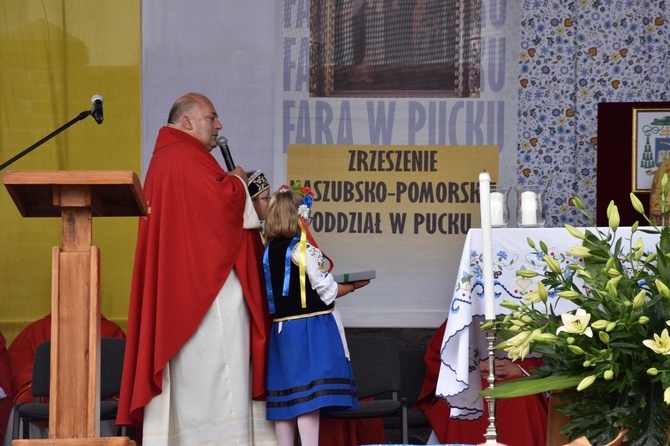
(402,211)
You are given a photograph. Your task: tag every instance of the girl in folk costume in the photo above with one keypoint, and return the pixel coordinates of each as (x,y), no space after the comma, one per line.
(308,361)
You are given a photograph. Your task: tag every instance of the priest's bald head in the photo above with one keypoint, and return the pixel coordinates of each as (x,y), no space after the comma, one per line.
(195,114)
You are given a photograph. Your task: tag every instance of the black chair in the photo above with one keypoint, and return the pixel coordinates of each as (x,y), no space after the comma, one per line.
(376,364)
(412,374)
(111,368)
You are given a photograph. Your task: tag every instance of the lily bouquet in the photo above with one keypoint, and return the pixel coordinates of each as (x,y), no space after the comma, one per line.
(610,356)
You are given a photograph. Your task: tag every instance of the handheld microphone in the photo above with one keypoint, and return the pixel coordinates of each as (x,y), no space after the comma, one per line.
(222,142)
(96,109)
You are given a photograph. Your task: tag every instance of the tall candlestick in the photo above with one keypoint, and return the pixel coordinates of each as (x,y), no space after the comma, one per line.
(528,208)
(487,244)
(497,209)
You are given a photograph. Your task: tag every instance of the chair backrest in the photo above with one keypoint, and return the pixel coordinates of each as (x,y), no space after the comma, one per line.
(412,373)
(111,366)
(112,351)
(375,361)
(39,387)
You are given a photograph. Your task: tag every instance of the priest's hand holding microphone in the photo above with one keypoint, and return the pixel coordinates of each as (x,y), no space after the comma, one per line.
(231,169)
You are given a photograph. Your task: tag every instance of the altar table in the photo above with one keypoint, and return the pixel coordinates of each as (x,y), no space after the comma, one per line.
(464,344)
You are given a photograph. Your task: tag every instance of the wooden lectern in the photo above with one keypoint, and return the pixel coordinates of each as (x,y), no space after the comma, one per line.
(75,197)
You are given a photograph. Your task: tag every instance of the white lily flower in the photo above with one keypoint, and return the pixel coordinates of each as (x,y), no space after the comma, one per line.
(577,323)
(660,344)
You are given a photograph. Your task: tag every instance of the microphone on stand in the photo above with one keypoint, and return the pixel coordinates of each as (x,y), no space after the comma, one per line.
(222,142)
(96,108)
(95,111)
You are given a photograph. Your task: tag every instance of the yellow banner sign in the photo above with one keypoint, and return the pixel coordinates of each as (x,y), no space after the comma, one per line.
(403,211)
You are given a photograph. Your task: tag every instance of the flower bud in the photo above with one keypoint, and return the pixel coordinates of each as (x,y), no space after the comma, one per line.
(553,264)
(570,340)
(639,248)
(586,382)
(643,320)
(610,206)
(488,325)
(568,294)
(532,297)
(666,392)
(613,272)
(600,324)
(530,242)
(610,327)
(638,300)
(576,349)
(651,257)
(545,337)
(586,363)
(578,203)
(509,305)
(579,251)
(662,288)
(584,273)
(637,204)
(652,371)
(527,273)
(542,292)
(614,219)
(525,318)
(604,337)
(611,286)
(609,374)
(575,232)
(543,246)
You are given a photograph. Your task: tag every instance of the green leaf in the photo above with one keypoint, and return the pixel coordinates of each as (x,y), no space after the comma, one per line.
(531,385)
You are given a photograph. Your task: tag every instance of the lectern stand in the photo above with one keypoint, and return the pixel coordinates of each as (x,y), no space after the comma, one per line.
(76,197)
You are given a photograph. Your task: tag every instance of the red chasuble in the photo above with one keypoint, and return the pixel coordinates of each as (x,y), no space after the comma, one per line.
(6,385)
(186,248)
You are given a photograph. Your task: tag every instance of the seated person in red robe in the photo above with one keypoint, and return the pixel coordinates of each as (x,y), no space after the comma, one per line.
(5,387)
(22,351)
(520,421)
(339,432)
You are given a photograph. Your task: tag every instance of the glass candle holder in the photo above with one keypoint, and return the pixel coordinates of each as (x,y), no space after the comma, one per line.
(499,206)
(530,206)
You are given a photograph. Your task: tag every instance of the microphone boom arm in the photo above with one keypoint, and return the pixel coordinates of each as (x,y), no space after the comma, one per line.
(79,117)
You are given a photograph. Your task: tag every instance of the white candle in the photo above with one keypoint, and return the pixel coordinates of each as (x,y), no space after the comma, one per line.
(528,208)
(487,244)
(497,209)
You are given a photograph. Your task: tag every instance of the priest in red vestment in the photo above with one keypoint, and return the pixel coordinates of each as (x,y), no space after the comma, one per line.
(196,321)
(5,387)
(22,352)
(520,421)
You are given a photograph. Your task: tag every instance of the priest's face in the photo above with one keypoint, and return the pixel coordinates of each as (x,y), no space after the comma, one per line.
(205,124)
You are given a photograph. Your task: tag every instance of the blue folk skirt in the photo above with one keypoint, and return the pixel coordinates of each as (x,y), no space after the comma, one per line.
(307,368)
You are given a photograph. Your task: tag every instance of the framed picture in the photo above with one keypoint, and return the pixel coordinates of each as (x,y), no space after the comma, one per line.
(651,144)
(395,49)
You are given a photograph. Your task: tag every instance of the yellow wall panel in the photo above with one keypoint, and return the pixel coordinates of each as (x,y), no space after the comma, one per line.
(55,56)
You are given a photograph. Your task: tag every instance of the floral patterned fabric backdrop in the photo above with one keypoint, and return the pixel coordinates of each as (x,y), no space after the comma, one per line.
(573,55)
